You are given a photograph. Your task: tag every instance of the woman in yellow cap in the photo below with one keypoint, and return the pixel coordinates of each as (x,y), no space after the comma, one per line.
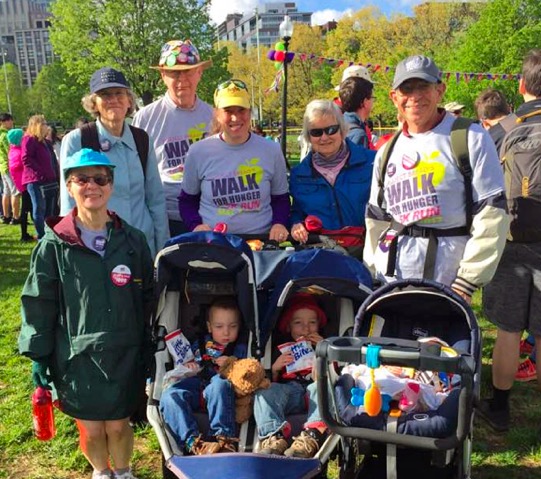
(235,177)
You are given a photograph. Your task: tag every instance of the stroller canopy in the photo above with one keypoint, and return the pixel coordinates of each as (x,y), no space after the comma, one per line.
(321,270)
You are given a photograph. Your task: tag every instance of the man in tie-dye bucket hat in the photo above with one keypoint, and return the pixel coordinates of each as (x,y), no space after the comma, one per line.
(177,120)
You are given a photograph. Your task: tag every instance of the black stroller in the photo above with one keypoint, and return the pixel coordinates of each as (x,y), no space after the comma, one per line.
(392,323)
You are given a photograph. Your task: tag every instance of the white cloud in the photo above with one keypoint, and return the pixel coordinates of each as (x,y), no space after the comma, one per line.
(323,16)
(220,8)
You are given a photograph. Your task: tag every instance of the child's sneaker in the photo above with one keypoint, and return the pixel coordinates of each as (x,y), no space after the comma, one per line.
(275,444)
(107,474)
(526,347)
(124,475)
(228,444)
(526,371)
(307,444)
(197,447)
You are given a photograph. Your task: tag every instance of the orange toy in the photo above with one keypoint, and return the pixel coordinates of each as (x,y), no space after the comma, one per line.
(372,397)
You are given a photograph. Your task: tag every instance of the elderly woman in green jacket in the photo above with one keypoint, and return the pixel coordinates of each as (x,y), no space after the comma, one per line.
(85,310)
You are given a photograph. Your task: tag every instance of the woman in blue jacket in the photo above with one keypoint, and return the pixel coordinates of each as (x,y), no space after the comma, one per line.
(333,181)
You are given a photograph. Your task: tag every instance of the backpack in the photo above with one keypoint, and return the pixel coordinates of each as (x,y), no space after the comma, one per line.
(461,155)
(90,139)
(521,160)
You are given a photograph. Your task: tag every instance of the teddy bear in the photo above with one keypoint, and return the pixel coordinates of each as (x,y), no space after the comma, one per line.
(246,376)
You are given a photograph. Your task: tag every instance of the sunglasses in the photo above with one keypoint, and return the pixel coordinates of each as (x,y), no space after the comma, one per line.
(238,83)
(100,180)
(329,130)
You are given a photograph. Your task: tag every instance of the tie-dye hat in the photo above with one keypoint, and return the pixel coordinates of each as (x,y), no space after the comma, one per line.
(180,55)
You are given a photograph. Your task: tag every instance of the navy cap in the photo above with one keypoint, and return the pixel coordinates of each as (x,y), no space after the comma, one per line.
(416,66)
(86,157)
(107,77)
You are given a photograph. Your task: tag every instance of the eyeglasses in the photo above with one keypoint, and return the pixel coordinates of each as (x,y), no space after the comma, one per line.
(238,83)
(100,180)
(328,130)
(109,95)
(177,74)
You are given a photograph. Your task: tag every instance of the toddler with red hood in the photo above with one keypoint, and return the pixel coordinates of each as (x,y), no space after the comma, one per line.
(301,320)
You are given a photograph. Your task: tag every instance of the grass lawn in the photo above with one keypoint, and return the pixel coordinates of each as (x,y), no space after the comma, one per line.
(495,456)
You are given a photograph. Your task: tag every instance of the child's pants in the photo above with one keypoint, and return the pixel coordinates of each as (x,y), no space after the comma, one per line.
(271,406)
(182,399)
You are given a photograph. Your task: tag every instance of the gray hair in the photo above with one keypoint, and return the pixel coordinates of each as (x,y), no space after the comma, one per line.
(89,103)
(319,108)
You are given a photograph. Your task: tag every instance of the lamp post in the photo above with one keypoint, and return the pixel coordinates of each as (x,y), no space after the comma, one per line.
(4,53)
(286,32)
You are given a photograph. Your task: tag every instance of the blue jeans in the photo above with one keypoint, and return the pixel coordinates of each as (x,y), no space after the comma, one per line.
(181,400)
(271,406)
(38,207)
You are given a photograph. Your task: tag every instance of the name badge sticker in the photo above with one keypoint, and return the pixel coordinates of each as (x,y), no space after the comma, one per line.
(121,275)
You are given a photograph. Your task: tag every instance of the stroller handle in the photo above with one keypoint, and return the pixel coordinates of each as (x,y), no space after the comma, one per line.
(395,352)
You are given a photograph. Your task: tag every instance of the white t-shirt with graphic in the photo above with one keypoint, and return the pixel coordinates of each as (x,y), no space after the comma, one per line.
(236,182)
(424,186)
(173,130)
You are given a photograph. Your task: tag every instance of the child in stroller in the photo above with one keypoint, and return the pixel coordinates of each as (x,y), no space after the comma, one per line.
(301,320)
(179,400)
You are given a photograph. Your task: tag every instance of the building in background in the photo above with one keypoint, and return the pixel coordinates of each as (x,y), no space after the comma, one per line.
(243,28)
(24,36)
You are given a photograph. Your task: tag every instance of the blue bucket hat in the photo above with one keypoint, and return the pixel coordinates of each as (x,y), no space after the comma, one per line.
(107,77)
(86,157)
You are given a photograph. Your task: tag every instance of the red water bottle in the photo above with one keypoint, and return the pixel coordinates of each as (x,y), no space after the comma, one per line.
(42,414)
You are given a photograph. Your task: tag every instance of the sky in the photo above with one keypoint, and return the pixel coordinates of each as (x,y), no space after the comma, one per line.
(322,14)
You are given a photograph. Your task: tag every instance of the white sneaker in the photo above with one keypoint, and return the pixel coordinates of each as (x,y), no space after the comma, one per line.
(107,474)
(124,475)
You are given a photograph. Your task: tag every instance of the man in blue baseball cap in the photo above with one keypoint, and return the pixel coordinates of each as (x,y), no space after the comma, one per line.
(85,309)
(448,211)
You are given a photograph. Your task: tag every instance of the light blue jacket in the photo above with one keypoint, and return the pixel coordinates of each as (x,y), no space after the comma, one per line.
(137,199)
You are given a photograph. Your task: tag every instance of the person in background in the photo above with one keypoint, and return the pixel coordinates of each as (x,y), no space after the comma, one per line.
(495,116)
(177,120)
(39,176)
(333,181)
(54,140)
(86,308)
(235,177)
(138,196)
(492,109)
(455,108)
(16,167)
(11,199)
(510,300)
(357,99)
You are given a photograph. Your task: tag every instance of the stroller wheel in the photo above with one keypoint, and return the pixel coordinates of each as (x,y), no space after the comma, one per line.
(350,460)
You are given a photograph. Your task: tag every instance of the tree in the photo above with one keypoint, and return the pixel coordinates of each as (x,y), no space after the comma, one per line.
(128,34)
(11,85)
(480,49)
(57,95)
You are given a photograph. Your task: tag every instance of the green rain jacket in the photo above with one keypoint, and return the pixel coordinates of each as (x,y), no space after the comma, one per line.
(88,317)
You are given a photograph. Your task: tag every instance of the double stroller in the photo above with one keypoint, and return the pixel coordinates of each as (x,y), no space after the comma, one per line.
(414,326)
(190,272)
